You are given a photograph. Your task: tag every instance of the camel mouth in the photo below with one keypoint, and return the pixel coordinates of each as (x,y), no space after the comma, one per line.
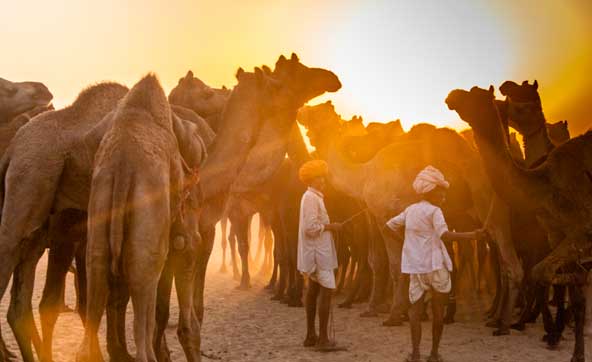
(453,99)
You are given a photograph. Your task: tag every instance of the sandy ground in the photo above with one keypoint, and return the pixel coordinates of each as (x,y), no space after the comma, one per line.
(248,326)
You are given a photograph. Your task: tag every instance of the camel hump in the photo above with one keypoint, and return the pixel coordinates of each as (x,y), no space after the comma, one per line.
(148,95)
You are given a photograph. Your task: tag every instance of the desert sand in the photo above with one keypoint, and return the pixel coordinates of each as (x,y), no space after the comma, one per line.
(248,326)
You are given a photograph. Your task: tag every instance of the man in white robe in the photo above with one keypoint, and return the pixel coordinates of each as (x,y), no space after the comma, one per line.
(317,256)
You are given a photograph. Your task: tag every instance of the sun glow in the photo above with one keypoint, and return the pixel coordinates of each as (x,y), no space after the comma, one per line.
(396,59)
(400,59)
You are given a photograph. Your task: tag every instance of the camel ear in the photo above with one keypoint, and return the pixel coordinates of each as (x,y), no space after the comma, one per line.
(535,84)
(189,75)
(239,73)
(281,59)
(266,69)
(329,103)
(294,58)
(491,89)
(525,82)
(224,87)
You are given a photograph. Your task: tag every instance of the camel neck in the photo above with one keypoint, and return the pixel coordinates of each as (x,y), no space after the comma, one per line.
(537,146)
(513,184)
(347,177)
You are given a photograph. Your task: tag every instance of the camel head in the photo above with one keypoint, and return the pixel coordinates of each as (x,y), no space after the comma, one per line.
(19,97)
(354,127)
(523,106)
(321,122)
(476,107)
(303,83)
(194,94)
(390,130)
(558,132)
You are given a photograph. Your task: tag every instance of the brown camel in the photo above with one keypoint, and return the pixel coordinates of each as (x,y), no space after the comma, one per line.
(137,193)
(204,100)
(20,97)
(40,176)
(62,145)
(296,85)
(559,190)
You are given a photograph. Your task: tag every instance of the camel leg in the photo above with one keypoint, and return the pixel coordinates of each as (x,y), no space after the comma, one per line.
(394,249)
(378,261)
(189,327)
(20,312)
(232,241)
(80,259)
(268,263)
(143,288)
(261,234)
(163,302)
(223,242)
(97,293)
(241,225)
(208,234)
(579,307)
(279,257)
(588,297)
(61,255)
(116,309)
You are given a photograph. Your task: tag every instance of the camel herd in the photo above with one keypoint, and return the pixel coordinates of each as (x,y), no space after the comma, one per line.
(130,184)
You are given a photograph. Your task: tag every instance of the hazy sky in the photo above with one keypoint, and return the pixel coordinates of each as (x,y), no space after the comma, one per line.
(396,59)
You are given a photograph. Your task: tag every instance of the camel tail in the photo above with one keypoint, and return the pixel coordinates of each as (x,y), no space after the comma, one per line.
(119,208)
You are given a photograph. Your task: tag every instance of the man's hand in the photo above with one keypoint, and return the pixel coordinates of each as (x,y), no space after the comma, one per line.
(335,227)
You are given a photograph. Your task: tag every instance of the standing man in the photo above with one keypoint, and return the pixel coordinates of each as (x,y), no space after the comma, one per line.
(424,255)
(317,257)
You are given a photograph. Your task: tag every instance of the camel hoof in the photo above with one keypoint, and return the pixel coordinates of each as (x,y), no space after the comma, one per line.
(383,308)
(501,332)
(392,322)
(277,297)
(295,304)
(369,314)
(345,305)
(243,287)
(578,358)
(269,287)
(518,326)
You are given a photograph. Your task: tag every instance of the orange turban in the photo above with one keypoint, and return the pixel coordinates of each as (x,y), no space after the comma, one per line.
(313,169)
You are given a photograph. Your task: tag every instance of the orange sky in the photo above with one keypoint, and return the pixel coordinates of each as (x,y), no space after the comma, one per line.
(396,59)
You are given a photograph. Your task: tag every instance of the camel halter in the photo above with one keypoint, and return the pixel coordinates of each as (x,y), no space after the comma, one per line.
(188,184)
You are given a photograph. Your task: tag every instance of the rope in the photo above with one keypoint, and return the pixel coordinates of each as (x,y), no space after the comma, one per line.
(354,216)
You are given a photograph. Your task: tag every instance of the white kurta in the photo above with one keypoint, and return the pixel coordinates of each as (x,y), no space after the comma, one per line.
(423,249)
(316,249)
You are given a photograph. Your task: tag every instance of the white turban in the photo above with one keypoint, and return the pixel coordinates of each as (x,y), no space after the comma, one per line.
(428,179)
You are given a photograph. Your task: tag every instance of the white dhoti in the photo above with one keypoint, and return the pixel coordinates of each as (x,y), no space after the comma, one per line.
(326,278)
(438,280)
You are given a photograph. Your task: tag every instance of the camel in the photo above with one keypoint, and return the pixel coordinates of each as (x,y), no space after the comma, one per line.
(50,144)
(523,110)
(297,85)
(20,97)
(204,100)
(559,190)
(64,153)
(137,195)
